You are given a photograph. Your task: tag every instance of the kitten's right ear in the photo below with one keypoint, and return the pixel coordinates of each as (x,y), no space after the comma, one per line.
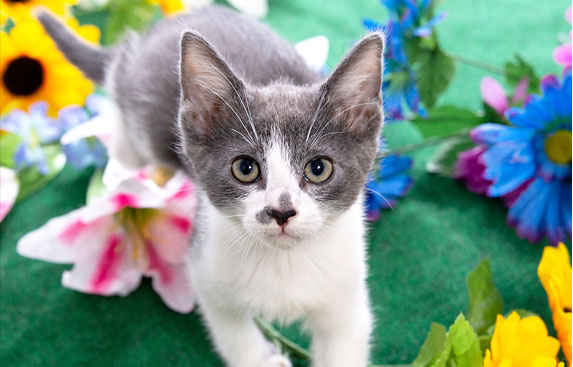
(208,85)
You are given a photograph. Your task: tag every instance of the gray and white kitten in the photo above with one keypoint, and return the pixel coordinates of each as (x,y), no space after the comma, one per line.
(280,158)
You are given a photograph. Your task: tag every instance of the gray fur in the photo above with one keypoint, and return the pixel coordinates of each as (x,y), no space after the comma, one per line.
(89,59)
(174,119)
(263,216)
(285,202)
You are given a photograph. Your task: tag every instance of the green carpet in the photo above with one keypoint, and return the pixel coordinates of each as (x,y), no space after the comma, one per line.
(420,252)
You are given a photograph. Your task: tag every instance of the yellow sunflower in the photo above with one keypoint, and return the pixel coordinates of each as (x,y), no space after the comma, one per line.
(554,272)
(33,69)
(17,9)
(520,342)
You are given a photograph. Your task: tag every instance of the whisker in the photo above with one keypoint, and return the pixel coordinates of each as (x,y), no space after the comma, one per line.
(340,113)
(247,111)
(228,105)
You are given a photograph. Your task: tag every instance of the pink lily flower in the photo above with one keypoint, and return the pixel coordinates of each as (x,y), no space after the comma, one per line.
(138,229)
(494,95)
(10,187)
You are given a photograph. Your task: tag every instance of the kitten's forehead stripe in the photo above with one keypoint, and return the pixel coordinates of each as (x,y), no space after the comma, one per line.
(285,201)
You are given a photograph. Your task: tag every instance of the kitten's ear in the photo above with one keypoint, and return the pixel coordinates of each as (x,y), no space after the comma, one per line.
(353,91)
(208,85)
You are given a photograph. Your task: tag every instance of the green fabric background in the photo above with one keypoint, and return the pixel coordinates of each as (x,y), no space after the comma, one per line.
(420,252)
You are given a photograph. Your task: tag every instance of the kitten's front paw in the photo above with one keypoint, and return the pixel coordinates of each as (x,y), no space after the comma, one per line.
(276,361)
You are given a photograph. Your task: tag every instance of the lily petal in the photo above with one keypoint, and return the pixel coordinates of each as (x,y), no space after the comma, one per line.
(10,187)
(171,281)
(112,272)
(314,51)
(494,95)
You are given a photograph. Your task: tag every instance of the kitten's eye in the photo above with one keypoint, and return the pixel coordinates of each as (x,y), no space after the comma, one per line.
(318,170)
(245,170)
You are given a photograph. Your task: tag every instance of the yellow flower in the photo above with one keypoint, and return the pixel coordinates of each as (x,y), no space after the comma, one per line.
(17,9)
(554,272)
(33,69)
(169,7)
(520,342)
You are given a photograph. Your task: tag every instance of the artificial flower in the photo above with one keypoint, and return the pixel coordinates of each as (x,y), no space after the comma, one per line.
(138,229)
(554,272)
(518,342)
(35,130)
(314,51)
(494,95)
(18,9)
(170,7)
(562,54)
(469,169)
(407,24)
(392,181)
(84,151)
(33,69)
(9,186)
(536,152)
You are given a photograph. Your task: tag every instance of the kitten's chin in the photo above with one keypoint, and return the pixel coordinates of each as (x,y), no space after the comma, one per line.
(281,240)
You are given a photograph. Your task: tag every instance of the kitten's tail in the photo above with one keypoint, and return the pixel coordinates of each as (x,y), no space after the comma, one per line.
(91,60)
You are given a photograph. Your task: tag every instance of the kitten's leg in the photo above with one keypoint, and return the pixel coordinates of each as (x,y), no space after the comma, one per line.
(238,339)
(341,333)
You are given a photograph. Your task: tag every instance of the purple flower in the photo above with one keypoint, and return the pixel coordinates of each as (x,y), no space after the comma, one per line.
(391,182)
(533,156)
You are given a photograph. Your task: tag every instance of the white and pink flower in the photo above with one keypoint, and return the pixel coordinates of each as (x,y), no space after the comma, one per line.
(137,229)
(10,187)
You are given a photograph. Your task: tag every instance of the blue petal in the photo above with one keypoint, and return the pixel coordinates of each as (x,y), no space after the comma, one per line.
(394,164)
(491,133)
(372,25)
(527,212)
(393,187)
(508,166)
(552,221)
(566,206)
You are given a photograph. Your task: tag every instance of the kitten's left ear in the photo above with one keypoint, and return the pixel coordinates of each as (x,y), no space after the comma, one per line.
(353,90)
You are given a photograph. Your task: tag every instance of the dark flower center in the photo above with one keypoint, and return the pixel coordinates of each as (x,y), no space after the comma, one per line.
(23,76)
(18,1)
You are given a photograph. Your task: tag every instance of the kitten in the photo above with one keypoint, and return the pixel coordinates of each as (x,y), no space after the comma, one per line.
(280,159)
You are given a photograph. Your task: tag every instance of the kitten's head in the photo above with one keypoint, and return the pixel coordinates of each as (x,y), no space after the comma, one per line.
(280,160)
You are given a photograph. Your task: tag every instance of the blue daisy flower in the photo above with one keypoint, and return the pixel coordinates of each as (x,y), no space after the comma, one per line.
(407,22)
(534,156)
(391,182)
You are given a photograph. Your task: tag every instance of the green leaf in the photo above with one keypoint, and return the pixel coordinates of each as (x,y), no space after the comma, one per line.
(516,70)
(96,188)
(465,344)
(434,344)
(484,298)
(9,143)
(127,14)
(445,121)
(434,70)
(31,180)
(444,160)
(461,347)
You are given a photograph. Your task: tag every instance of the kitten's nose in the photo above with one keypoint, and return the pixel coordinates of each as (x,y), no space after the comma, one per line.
(281,216)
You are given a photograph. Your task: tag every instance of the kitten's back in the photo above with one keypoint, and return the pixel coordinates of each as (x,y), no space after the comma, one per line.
(142,72)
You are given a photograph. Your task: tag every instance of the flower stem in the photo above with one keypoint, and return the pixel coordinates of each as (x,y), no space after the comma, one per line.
(274,335)
(477,64)
(426,143)
(294,349)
